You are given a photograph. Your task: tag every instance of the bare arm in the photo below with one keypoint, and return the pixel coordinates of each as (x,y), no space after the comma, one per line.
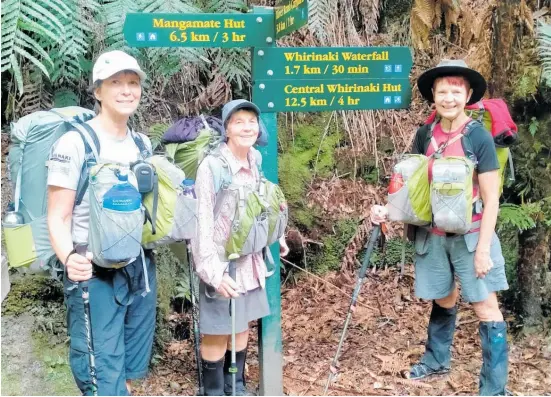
(489,192)
(60,214)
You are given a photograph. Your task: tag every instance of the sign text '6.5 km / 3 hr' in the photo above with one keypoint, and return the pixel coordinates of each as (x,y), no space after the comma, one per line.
(198,30)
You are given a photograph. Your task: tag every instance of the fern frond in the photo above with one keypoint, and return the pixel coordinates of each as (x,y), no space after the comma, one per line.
(235,65)
(319,17)
(113,14)
(64,98)
(176,6)
(517,216)
(544,49)
(225,6)
(424,9)
(77,41)
(156,132)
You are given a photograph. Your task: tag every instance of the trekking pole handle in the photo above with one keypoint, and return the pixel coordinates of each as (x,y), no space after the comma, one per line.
(369,249)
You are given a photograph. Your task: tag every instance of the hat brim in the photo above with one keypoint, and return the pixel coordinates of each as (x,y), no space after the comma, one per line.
(113,72)
(476,81)
(262,139)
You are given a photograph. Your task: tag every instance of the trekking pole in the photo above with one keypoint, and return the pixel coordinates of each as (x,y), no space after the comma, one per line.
(233,367)
(81,250)
(352,308)
(195,319)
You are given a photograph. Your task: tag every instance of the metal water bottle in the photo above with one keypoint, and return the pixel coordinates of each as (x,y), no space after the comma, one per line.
(13,218)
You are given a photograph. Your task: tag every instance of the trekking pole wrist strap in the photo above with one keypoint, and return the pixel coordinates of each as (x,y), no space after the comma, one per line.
(74,251)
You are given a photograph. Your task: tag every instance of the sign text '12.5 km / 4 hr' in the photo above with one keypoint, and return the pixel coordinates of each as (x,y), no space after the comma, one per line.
(316,95)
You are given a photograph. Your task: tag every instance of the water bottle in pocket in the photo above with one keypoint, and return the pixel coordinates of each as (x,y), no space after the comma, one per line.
(116,216)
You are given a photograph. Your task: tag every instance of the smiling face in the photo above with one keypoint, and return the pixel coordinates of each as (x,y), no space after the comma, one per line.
(242,128)
(451,94)
(120,94)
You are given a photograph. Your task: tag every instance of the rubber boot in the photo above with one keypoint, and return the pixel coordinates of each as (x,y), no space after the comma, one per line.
(437,357)
(240,385)
(213,377)
(495,360)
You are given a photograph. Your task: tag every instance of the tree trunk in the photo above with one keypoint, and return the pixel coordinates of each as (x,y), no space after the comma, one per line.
(533,265)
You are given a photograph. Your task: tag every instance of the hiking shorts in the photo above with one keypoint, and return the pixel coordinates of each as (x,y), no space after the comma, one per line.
(438,259)
(122,333)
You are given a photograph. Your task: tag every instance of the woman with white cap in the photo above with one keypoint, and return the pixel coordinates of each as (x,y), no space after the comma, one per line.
(243,129)
(122,313)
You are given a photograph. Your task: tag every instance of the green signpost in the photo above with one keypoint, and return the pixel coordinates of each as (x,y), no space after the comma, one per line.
(332,63)
(290,15)
(198,30)
(284,79)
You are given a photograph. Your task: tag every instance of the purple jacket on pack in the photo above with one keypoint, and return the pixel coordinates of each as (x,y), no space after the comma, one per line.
(187,129)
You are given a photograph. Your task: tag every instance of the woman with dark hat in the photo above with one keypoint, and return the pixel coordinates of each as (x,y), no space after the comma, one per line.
(474,257)
(246,287)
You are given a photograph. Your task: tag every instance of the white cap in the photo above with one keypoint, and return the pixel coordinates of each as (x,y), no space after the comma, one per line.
(113,62)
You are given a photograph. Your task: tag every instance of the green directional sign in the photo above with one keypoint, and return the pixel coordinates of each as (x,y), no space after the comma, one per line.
(332,62)
(316,95)
(290,15)
(198,30)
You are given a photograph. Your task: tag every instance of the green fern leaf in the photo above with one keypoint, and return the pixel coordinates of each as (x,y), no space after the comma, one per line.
(319,17)
(544,40)
(225,6)
(517,216)
(235,65)
(175,6)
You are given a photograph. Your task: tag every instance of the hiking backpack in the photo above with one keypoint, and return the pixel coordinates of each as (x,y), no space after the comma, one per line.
(28,245)
(261,214)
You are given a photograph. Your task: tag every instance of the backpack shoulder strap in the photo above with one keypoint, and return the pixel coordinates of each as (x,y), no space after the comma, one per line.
(91,157)
(138,140)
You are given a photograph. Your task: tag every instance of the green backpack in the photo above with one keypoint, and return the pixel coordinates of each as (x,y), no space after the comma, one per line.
(173,214)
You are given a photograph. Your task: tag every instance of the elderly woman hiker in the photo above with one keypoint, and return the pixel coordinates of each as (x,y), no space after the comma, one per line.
(243,279)
(474,255)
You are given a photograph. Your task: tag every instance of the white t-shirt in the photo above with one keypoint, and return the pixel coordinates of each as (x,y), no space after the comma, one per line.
(65,165)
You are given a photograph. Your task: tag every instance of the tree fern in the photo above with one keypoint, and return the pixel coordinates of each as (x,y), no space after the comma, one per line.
(175,6)
(29,28)
(113,14)
(319,17)
(76,42)
(544,39)
(225,6)
(234,64)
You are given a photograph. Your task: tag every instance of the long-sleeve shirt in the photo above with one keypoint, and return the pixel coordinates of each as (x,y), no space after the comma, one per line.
(208,247)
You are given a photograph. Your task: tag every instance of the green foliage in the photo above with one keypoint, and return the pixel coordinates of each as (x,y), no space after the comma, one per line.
(527,83)
(26,25)
(51,319)
(223,6)
(64,98)
(156,132)
(533,126)
(544,39)
(329,256)
(234,64)
(307,151)
(518,216)
(31,291)
(390,254)
(319,17)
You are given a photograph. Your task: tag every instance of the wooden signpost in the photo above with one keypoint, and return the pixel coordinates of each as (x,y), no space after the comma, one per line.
(301,79)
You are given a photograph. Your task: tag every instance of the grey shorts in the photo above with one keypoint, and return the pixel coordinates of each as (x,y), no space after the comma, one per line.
(438,259)
(214,313)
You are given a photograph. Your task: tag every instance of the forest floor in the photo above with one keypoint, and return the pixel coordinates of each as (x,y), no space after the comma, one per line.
(386,335)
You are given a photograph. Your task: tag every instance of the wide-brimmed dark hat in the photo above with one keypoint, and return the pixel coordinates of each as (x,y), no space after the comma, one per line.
(240,104)
(452,67)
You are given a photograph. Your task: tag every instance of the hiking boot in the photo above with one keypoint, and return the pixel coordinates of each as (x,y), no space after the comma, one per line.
(240,385)
(213,377)
(437,357)
(494,371)
(420,371)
